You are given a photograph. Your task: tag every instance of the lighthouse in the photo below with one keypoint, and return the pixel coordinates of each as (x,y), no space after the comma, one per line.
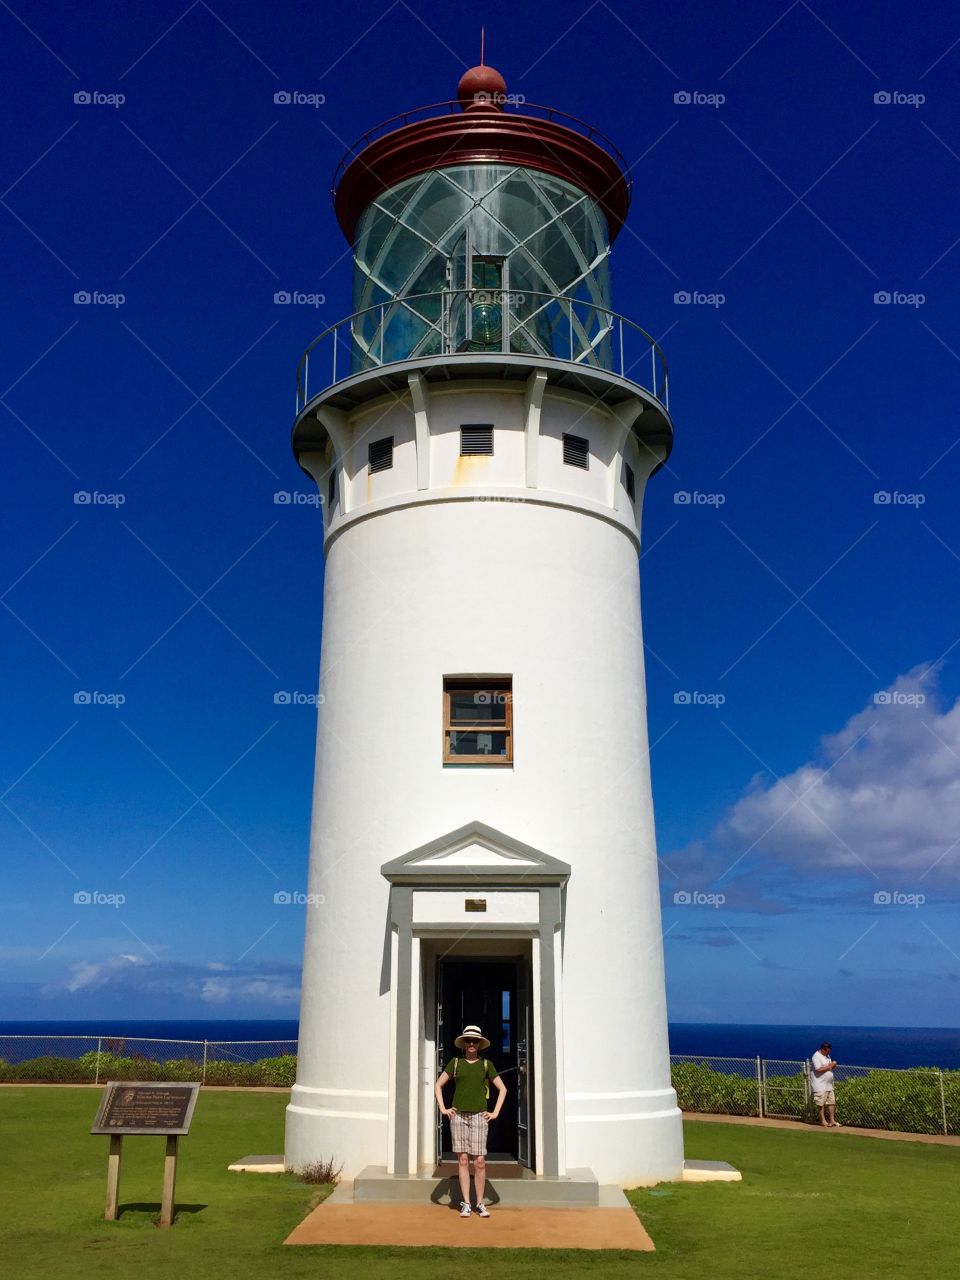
(481,428)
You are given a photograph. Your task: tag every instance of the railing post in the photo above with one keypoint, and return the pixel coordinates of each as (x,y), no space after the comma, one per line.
(653,362)
(306,377)
(943,1103)
(621,347)
(381,332)
(96,1078)
(761,1107)
(570,313)
(203,1078)
(334,378)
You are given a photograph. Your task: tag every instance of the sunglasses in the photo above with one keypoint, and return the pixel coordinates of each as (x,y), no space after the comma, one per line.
(470,1040)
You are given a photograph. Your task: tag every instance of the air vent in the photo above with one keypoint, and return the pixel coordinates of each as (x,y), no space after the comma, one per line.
(476,439)
(576,451)
(629,482)
(380,455)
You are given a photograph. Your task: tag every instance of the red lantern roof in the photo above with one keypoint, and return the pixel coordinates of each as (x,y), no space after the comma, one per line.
(483,126)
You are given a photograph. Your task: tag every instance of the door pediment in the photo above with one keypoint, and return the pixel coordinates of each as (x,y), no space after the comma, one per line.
(475,851)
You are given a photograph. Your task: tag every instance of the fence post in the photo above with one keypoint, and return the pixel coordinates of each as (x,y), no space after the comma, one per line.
(96,1078)
(943,1103)
(760,1103)
(203,1078)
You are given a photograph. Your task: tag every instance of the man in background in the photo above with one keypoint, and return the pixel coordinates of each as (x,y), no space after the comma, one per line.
(821,1082)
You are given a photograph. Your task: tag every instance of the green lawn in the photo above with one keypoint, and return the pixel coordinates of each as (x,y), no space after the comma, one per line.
(815,1202)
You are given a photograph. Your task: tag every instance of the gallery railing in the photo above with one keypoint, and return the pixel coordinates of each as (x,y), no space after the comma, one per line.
(467,322)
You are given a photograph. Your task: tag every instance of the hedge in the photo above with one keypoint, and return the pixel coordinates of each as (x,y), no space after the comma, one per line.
(280,1072)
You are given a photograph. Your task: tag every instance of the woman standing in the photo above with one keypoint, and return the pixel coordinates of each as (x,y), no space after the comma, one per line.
(469,1116)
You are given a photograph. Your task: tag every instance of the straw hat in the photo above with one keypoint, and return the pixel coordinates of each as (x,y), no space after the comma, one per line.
(472,1033)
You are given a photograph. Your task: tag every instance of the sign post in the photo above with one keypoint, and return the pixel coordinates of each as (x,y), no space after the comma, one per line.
(131,1107)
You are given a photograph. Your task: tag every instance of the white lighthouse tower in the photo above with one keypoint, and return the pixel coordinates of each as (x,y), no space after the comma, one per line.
(482,848)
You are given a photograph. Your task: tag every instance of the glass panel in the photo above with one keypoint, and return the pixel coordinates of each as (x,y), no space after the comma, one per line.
(477,744)
(472,705)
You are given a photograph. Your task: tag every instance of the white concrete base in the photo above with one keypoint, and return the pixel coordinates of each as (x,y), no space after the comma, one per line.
(709,1171)
(258,1164)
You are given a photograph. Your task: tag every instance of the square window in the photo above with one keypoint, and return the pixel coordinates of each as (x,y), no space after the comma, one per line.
(478,720)
(332,486)
(380,455)
(629,482)
(576,451)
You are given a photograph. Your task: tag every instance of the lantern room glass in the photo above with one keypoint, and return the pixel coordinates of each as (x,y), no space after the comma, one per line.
(482,257)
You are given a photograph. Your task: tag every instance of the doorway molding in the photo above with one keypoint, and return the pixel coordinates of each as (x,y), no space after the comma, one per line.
(435,890)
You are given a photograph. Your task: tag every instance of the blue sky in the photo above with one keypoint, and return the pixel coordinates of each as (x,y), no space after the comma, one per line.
(827,621)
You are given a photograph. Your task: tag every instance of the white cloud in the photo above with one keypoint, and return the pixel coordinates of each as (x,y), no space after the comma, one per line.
(134,976)
(883,794)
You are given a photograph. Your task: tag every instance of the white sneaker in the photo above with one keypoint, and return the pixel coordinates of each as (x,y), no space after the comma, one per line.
(482,1210)
(465,1210)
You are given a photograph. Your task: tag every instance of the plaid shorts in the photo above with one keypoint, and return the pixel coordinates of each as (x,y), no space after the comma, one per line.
(468,1132)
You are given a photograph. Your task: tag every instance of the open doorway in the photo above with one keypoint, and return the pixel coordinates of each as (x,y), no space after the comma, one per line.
(494,994)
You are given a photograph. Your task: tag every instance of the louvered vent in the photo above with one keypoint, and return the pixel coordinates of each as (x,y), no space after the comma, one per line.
(476,439)
(380,455)
(576,451)
(629,482)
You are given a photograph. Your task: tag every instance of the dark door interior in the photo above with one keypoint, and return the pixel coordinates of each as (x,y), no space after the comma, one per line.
(485,993)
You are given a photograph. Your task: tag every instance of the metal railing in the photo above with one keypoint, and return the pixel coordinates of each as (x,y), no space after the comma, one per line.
(464,322)
(511,106)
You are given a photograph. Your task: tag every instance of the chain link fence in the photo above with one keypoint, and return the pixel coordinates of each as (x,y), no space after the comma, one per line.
(92,1059)
(904,1100)
(910,1100)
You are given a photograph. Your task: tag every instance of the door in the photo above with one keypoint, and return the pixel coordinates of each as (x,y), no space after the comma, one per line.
(487,993)
(524,1069)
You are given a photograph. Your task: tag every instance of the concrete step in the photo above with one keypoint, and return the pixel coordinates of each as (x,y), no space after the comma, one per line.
(578,1188)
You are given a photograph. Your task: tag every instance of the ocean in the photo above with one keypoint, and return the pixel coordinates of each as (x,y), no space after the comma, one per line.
(852,1046)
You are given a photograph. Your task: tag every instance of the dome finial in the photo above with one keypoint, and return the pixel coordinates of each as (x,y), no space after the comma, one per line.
(482,88)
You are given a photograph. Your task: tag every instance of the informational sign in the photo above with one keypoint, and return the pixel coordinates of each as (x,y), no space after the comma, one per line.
(130,1107)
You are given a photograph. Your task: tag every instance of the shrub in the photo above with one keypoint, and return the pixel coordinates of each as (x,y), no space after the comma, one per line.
(321,1171)
(280,1072)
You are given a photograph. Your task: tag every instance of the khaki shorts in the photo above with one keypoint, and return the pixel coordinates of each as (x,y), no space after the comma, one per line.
(829,1098)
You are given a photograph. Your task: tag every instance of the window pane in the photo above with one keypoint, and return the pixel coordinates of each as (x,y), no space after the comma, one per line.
(478,744)
(488,705)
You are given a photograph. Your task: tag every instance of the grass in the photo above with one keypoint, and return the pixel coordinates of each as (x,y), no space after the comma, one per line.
(824,1202)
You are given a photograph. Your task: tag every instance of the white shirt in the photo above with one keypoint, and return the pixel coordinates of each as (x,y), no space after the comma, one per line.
(822,1083)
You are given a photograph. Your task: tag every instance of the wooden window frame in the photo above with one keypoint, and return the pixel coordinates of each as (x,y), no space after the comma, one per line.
(475,684)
